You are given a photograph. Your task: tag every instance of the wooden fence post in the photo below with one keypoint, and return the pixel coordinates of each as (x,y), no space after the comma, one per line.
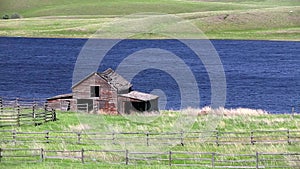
(45,107)
(33,115)
(42,154)
(87,107)
(18,116)
(47,136)
(14,136)
(170,158)
(251,138)
(82,157)
(53,115)
(0,154)
(1,104)
(288,137)
(257,160)
(126,157)
(213,160)
(147,139)
(113,137)
(75,104)
(181,138)
(217,138)
(45,116)
(78,137)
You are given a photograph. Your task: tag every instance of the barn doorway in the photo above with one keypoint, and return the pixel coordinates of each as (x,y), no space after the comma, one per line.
(136,106)
(141,106)
(85,105)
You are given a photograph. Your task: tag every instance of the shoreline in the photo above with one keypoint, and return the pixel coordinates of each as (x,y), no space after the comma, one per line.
(212,39)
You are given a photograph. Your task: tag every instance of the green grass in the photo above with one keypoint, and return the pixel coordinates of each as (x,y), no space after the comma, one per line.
(70,121)
(225,19)
(34,8)
(63,165)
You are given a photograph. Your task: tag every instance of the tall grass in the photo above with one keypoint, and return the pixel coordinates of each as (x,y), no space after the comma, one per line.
(232,120)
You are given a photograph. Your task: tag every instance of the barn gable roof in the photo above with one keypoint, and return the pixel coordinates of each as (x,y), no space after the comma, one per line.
(112,78)
(82,80)
(116,80)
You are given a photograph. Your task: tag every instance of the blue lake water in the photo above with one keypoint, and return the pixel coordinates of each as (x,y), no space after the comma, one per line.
(259,74)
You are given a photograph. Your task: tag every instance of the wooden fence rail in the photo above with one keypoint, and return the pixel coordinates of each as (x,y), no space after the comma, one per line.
(22,102)
(171,158)
(31,115)
(153,139)
(40,103)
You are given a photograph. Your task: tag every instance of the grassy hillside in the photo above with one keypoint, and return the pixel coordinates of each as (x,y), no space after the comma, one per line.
(222,19)
(35,8)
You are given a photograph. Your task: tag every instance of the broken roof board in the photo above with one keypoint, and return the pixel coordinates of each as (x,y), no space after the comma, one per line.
(112,78)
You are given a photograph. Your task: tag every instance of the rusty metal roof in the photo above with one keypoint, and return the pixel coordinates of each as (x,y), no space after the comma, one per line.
(139,96)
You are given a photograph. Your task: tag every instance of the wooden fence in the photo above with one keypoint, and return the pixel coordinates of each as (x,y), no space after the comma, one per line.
(150,139)
(40,103)
(25,115)
(171,158)
(22,102)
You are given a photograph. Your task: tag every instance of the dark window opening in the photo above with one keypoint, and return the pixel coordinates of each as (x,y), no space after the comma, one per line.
(95,91)
(141,106)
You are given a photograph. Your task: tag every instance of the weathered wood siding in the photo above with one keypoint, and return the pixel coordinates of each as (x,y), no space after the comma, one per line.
(107,99)
(154,105)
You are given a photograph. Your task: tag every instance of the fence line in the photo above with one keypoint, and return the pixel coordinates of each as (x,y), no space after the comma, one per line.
(28,102)
(25,115)
(22,102)
(150,138)
(171,158)
(13,102)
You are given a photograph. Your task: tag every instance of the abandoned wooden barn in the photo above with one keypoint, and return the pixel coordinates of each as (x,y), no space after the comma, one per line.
(106,92)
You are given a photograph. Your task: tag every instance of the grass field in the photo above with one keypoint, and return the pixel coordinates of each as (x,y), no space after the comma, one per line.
(70,121)
(225,19)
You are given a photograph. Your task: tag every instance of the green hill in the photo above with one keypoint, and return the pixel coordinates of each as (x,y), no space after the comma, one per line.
(35,8)
(229,19)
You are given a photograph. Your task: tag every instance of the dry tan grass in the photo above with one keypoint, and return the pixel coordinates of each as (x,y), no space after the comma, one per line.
(79,127)
(232,112)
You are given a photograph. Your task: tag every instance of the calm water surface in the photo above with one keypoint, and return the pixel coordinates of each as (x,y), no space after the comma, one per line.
(259,74)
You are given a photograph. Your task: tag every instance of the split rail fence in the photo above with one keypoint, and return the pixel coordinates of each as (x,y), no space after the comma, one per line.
(22,102)
(171,158)
(17,113)
(153,139)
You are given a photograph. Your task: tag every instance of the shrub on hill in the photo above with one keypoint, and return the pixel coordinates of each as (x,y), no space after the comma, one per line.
(15,16)
(5,16)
